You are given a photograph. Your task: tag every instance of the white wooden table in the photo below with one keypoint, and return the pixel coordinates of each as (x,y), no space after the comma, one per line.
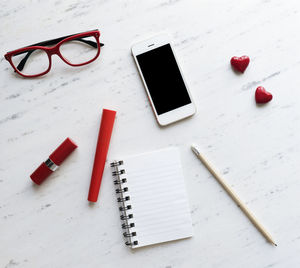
(255,148)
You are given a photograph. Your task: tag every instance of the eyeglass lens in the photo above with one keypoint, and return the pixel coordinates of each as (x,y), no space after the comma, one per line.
(31,62)
(79,51)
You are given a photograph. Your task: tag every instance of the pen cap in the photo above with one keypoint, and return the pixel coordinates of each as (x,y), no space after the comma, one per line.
(63,151)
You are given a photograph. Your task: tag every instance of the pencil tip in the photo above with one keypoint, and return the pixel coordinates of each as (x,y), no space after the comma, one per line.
(195,150)
(275,245)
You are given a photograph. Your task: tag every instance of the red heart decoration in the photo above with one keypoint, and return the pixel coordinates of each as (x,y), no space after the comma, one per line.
(262,96)
(240,63)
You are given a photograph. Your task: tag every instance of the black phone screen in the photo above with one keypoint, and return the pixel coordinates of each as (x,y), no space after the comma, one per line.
(163,79)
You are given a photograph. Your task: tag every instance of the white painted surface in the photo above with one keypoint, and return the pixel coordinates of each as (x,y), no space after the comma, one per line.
(256,148)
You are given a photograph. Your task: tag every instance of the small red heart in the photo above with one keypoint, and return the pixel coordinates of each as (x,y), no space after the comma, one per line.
(240,63)
(262,96)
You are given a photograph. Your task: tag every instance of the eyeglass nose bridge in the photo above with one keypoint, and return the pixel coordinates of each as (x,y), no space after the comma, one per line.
(53,51)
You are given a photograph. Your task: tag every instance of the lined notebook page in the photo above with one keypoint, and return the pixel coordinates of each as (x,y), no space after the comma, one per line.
(158,197)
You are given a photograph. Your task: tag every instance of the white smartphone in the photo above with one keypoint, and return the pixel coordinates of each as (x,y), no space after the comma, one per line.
(163,80)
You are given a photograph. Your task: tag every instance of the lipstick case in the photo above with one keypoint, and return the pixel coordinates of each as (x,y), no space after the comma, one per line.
(54,161)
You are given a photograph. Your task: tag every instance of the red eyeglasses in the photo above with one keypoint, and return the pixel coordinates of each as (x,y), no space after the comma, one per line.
(75,50)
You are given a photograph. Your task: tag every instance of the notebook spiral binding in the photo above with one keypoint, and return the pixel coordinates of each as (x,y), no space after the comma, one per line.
(123,196)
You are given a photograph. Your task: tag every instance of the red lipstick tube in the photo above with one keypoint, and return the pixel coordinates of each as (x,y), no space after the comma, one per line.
(106,127)
(54,161)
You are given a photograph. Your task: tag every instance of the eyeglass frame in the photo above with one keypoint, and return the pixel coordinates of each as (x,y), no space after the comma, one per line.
(54,51)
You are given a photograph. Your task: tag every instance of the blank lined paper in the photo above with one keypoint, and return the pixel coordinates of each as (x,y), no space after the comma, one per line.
(158,199)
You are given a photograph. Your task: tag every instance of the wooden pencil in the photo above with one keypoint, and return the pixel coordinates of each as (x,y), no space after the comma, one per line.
(233,195)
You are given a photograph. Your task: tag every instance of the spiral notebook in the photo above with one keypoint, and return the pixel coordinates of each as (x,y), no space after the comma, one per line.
(152,198)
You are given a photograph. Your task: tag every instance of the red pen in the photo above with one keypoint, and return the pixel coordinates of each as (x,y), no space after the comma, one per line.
(106,127)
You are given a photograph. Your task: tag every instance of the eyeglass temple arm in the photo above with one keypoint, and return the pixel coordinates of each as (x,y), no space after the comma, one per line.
(52,42)
(23,61)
